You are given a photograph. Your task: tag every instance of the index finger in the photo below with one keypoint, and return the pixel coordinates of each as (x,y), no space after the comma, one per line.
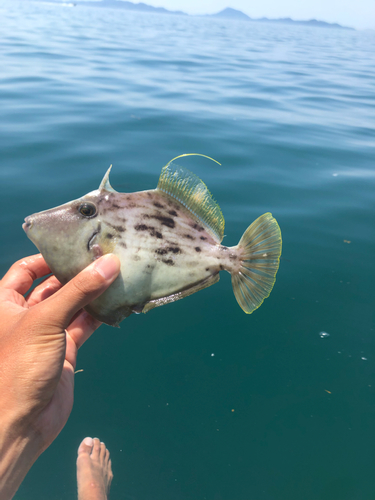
(24,272)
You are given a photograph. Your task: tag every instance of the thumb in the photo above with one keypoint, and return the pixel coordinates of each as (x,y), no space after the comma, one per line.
(81,290)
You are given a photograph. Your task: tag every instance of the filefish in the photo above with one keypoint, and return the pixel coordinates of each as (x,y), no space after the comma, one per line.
(168,240)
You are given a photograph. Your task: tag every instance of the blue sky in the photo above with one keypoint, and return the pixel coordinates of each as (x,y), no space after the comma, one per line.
(359,14)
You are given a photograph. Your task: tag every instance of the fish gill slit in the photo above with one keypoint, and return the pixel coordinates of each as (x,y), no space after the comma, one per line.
(91,239)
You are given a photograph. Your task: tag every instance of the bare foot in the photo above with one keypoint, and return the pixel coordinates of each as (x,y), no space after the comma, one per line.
(94,471)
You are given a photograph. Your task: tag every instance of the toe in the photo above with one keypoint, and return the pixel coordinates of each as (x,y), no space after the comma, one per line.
(110,474)
(106,458)
(102,452)
(86,446)
(96,449)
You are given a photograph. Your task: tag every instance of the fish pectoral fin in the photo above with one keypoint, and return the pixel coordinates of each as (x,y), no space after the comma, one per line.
(211,280)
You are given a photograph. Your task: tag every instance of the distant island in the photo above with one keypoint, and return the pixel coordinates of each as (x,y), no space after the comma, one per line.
(227,13)
(230,13)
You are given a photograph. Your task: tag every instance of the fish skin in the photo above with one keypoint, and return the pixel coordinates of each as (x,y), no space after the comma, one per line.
(163,249)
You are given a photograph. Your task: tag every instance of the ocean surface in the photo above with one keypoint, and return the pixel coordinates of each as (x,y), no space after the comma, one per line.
(196,400)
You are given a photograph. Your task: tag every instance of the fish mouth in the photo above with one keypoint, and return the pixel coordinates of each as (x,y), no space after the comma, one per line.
(27,224)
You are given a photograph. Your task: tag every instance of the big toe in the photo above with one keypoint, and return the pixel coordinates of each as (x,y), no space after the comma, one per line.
(85,448)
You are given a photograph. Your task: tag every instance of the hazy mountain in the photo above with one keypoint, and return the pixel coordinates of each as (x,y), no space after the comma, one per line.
(122,4)
(310,22)
(227,13)
(231,14)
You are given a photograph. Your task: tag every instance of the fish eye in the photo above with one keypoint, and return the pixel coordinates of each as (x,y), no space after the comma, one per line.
(87,209)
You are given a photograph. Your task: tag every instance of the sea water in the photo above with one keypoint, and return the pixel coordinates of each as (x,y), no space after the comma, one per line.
(196,400)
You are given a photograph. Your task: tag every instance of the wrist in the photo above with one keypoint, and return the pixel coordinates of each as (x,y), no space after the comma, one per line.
(19,448)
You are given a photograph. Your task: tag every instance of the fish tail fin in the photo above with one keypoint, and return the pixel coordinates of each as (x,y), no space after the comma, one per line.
(259,250)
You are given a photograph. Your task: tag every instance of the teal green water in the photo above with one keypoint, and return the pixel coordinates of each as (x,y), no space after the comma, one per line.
(196,400)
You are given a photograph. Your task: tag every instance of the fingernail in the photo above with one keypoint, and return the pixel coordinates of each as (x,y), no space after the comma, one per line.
(107,266)
(88,441)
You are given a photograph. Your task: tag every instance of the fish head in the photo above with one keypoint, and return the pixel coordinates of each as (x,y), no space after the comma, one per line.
(73,235)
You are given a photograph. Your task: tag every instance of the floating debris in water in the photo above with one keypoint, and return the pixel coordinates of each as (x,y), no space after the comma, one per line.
(364,359)
(324,335)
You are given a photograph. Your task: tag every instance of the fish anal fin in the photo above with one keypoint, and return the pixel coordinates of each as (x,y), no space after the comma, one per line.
(193,194)
(211,280)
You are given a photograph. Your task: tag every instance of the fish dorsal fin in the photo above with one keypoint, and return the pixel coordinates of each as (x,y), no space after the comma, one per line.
(105,185)
(192,193)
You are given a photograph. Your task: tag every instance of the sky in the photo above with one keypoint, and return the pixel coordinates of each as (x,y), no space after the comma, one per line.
(358,14)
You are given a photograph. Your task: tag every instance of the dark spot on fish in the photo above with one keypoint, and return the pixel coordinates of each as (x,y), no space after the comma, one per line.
(221,267)
(149,269)
(132,205)
(163,251)
(198,249)
(165,221)
(114,205)
(197,227)
(141,227)
(174,249)
(207,269)
(203,238)
(173,213)
(189,236)
(122,244)
(232,256)
(108,235)
(128,198)
(151,229)
(154,233)
(158,205)
(149,194)
(120,229)
(136,257)
(169,262)
(224,248)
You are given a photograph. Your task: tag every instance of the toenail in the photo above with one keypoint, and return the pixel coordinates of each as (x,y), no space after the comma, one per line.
(88,441)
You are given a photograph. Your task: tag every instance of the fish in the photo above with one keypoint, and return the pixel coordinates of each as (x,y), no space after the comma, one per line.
(168,240)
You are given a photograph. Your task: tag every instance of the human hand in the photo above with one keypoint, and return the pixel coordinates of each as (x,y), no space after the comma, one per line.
(39,339)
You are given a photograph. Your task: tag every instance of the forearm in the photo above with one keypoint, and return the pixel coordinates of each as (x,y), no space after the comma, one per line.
(19,448)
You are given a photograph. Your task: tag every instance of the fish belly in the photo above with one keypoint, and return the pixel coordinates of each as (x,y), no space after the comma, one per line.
(151,270)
